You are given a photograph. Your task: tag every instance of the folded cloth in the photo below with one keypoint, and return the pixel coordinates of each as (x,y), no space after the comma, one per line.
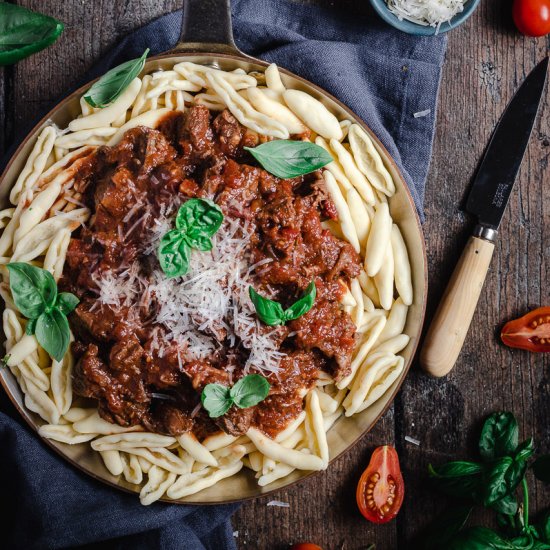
(382,75)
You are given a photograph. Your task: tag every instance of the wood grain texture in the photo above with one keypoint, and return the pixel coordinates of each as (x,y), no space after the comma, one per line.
(486,61)
(451,321)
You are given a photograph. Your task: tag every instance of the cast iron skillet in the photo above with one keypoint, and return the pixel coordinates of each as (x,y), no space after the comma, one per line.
(207,38)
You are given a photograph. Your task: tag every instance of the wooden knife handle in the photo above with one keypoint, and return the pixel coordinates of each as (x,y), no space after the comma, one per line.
(452,319)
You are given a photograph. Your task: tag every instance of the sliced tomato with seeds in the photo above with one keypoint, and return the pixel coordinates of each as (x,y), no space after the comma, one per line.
(380,490)
(530,332)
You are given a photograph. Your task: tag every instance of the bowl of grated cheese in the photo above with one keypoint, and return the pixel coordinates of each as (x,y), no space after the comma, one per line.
(424,17)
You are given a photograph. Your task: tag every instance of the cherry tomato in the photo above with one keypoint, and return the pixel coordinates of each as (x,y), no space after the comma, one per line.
(305,546)
(532,17)
(380,490)
(530,332)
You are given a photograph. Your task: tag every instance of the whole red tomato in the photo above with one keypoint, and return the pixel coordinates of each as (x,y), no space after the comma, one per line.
(305,546)
(532,17)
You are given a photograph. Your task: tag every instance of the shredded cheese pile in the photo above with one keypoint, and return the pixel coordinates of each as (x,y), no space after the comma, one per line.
(426,12)
(206,309)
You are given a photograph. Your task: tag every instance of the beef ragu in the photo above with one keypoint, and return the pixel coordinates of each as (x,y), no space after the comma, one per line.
(143,367)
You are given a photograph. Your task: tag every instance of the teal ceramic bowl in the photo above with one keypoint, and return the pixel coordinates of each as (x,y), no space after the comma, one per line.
(382,10)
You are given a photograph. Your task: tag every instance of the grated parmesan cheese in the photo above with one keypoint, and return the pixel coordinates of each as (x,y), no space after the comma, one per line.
(278,503)
(426,12)
(207,308)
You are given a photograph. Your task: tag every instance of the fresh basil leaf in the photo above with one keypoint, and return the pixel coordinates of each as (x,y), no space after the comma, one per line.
(499,436)
(249,391)
(479,538)
(525,450)
(270,312)
(288,159)
(200,242)
(459,478)
(446,526)
(216,399)
(496,486)
(111,85)
(303,305)
(202,216)
(66,302)
(53,334)
(5,360)
(31,326)
(541,468)
(507,505)
(24,32)
(33,289)
(174,254)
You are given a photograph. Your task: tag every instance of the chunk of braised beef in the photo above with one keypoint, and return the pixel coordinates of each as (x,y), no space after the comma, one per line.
(236,421)
(330,330)
(202,373)
(118,402)
(229,133)
(167,418)
(197,133)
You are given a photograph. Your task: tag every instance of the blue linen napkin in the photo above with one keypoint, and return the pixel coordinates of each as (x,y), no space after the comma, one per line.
(385,77)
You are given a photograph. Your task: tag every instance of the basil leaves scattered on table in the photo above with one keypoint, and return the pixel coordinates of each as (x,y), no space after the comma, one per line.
(285,158)
(272,312)
(196,222)
(109,87)
(493,483)
(247,392)
(34,292)
(24,32)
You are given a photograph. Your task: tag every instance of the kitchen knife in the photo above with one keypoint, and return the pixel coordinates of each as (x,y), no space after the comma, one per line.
(487,200)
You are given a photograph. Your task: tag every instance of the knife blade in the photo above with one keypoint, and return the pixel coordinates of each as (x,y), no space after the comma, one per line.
(487,201)
(497,172)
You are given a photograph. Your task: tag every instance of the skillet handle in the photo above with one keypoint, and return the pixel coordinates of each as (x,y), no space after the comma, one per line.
(206,27)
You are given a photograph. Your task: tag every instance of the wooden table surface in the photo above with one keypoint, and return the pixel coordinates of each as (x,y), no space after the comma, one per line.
(486,61)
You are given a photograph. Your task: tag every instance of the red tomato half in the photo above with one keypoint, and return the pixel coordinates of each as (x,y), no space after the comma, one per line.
(380,490)
(532,17)
(305,546)
(530,332)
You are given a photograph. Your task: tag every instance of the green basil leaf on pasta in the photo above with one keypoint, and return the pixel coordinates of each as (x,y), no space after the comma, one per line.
(216,399)
(53,334)
(5,360)
(31,326)
(250,390)
(499,436)
(174,254)
(66,302)
(303,305)
(198,241)
(33,289)
(111,85)
(24,32)
(286,158)
(269,311)
(201,216)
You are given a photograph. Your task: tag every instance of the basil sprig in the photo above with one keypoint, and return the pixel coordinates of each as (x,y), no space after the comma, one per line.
(286,158)
(196,222)
(109,87)
(247,392)
(492,483)
(24,32)
(34,292)
(272,312)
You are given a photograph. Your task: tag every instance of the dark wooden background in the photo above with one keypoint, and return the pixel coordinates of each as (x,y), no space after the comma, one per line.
(486,61)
